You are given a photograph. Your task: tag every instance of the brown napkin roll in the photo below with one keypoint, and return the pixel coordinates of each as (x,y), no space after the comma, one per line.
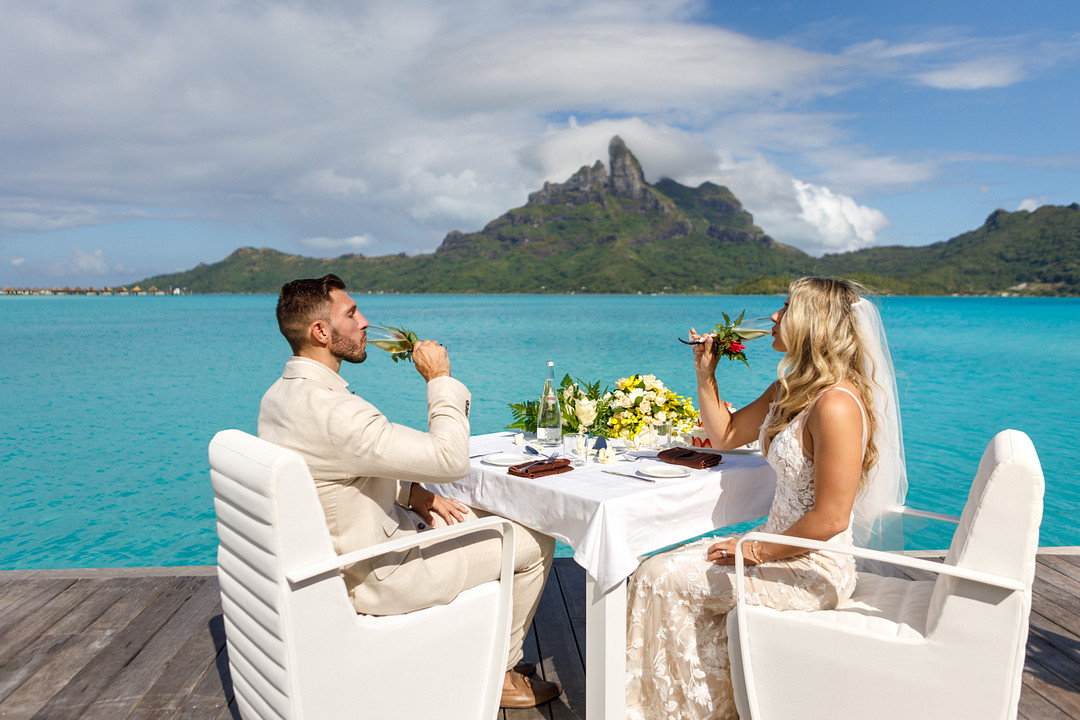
(540,469)
(689,458)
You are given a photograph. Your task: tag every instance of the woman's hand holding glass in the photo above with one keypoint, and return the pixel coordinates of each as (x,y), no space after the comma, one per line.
(705,356)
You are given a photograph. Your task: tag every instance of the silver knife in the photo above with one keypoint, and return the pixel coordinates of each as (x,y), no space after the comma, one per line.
(635,477)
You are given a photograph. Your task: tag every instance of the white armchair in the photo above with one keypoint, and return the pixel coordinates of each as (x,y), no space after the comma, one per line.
(298,649)
(950,648)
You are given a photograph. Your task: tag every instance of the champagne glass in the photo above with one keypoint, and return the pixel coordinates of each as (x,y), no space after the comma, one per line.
(392,341)
(749,329)
(754,328)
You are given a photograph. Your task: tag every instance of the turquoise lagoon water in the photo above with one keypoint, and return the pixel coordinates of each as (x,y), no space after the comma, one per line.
(109,403)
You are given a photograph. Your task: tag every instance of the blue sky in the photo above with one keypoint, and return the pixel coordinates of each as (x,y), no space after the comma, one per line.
(141,138)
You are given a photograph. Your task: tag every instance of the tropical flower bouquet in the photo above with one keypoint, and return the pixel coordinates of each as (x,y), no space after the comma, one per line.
(641,403)
(637,406)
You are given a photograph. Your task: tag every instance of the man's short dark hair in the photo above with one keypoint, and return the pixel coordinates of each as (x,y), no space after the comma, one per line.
(302,302)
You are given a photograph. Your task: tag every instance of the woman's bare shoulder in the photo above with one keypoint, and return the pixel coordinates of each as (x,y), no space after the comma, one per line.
(839,403)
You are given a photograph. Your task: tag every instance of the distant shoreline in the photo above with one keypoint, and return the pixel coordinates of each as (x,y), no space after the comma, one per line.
(178,293)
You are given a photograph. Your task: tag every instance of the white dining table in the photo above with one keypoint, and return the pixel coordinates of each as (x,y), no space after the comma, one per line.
(611,522)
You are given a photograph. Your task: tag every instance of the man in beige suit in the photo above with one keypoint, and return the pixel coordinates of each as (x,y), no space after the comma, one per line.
(368,471)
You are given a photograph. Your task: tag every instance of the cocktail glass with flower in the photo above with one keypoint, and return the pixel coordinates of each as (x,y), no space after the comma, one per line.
(754,328)
(393,340)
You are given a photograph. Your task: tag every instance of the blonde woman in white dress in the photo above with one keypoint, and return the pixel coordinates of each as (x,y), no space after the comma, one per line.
(824,425)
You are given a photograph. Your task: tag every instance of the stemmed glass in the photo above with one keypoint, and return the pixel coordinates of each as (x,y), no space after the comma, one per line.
(754,328)
(748,329)
(392,341)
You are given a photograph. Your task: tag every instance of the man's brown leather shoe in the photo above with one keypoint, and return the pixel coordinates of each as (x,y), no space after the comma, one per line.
(528,692)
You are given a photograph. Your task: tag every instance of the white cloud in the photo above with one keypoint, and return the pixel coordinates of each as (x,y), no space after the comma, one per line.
(621,67)
(1031,204)
(993,72)
(357,242)
(18,261)
(840,223)
(879,49)
(90,263)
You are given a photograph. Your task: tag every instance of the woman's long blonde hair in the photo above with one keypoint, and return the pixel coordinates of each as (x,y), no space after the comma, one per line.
(824,348)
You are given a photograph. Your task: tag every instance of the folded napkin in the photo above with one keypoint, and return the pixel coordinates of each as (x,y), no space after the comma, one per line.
(689,458)
(540,469)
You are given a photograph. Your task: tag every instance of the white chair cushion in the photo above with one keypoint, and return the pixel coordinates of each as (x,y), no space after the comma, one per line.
(884,606)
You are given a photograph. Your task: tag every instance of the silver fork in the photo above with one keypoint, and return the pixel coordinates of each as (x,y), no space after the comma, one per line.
(549,458)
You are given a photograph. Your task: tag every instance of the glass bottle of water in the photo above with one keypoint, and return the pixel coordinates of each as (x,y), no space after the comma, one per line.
(548,417)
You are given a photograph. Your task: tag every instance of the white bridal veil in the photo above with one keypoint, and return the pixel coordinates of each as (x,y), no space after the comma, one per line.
(876,524)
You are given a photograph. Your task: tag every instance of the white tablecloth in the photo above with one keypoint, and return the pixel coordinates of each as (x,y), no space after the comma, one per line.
(611,521)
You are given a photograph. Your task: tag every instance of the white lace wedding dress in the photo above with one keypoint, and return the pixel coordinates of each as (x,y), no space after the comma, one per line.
(677,656)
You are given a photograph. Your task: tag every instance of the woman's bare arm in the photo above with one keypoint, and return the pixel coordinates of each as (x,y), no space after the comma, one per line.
(725,429)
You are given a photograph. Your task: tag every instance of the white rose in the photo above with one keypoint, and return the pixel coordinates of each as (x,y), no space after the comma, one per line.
(586,412)
(650,396)
(661,417)
(645,407)
(626,401)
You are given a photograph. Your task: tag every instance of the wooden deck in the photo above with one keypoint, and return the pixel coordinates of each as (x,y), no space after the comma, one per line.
(150,643)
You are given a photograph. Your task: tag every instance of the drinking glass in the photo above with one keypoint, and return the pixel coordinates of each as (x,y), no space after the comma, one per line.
(573,446)
(753,328)
(663,436)
(388,339)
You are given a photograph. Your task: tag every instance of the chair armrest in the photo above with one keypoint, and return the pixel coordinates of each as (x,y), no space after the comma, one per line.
(427,537)
(886,557)
(915,512)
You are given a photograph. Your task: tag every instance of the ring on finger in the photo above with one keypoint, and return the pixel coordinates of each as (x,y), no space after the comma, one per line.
(723,553)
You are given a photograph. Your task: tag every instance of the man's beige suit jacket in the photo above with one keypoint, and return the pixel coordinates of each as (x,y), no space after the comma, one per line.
(364,466)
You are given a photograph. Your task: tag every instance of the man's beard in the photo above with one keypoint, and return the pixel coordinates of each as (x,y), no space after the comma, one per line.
(345,348)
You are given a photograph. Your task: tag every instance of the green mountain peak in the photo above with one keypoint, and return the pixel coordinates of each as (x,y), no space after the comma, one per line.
(606,230)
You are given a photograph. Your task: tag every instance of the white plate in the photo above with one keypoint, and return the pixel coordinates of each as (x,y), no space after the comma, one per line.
(507,459)
(664,470)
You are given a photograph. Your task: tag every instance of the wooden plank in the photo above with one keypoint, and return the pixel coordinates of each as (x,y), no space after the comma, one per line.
(22,657)
(60,606)
(75,697)
(1070,558)
(572,581)
(59,657)
(1055,651)
(1033,706)
(1054,601)
(189,665)
(1059,571)
(12,590)
(1043,674)
(128,688)
(28,602)
(563,661)
(212,698)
